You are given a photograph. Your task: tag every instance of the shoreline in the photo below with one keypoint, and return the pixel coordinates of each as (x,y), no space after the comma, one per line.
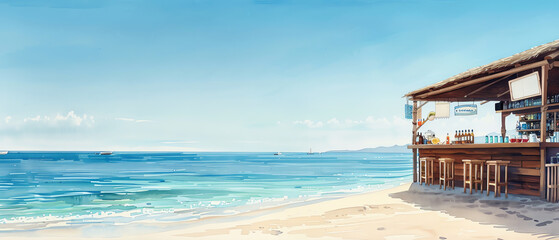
(183,215)
(403,212)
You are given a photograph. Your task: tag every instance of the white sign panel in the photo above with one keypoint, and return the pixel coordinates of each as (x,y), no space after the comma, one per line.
(525,87)
(442,110)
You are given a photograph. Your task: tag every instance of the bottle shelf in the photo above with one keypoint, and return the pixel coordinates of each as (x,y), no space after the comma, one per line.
(531,120)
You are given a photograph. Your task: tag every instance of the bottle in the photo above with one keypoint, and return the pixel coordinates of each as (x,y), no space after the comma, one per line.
(461,136)
(469,136)
(486,139)
(420,141)
(447,139)
(472,136)
(456,137)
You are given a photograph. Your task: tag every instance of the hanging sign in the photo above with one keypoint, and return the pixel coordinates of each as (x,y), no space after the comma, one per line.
(465,110)
(409,110)
(442,110)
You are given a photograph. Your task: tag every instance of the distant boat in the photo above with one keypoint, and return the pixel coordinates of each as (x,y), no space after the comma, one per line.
(310,152)
(105,153)
(278,153)
(4,153)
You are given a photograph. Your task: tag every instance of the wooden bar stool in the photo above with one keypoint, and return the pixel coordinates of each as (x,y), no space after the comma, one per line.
(475,179)
(497,183)
(446,172)
(552,170)
(426,168)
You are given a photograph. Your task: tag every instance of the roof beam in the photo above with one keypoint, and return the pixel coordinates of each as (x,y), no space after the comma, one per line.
(488,85)
(503,93)
(483,79)
(552,55)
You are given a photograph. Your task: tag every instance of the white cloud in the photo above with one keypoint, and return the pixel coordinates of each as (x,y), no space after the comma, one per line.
(70,119)
(132,120)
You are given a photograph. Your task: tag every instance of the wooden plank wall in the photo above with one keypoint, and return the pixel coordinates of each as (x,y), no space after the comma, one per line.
(524,173)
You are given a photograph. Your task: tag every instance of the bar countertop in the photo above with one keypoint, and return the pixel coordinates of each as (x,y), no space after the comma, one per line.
(484,145)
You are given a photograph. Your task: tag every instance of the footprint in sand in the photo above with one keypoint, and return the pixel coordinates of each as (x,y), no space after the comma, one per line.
(526,218)
(543,223)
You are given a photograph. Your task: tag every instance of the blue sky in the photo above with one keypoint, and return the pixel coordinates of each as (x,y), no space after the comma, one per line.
(261,75)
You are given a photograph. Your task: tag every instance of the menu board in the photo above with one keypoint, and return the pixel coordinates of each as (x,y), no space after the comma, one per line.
(525,87)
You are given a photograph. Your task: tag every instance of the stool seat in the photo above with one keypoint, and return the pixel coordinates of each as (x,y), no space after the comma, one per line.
(473,161)
(498,162)
(497,183)
(446,172)
(446,159)
(474,179)
(426,169)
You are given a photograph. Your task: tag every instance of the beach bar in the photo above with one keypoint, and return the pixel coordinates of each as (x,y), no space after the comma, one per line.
(509,84)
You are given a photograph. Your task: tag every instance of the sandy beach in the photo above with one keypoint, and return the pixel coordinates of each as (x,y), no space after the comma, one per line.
(405,212)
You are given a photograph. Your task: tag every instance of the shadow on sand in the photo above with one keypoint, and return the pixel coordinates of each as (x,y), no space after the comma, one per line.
(523,214)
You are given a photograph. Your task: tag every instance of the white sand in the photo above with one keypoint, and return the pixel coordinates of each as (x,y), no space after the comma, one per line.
(399,213)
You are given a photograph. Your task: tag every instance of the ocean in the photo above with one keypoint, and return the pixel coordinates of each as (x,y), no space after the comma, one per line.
(83,187)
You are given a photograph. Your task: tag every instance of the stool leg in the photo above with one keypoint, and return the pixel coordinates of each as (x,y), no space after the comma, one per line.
(432,182)
(440,174)
(471,179)
(497,180)
(481,178)
(420,172)
(464,177)
(488,170)
(506,182)
(445,175)
(547,185)
(453,181)
(475,179)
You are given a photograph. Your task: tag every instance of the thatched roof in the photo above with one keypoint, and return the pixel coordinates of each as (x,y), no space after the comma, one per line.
(528,56)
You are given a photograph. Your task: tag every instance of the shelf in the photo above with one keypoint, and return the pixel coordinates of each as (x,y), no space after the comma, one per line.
(532,120)
(532,130)
(530,108)
(519,109)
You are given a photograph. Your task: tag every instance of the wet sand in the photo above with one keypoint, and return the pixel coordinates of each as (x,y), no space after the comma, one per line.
(409,211)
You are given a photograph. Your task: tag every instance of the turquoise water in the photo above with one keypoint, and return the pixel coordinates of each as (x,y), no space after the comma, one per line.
(78,186)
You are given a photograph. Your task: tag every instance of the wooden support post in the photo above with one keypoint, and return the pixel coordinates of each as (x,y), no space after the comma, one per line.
(503,125)
(414,135)
(543,128)
(543,122)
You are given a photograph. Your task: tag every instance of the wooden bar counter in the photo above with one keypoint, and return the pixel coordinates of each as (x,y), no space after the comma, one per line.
(527,161)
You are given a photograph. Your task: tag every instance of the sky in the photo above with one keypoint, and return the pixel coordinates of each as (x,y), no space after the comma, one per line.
(262,75)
